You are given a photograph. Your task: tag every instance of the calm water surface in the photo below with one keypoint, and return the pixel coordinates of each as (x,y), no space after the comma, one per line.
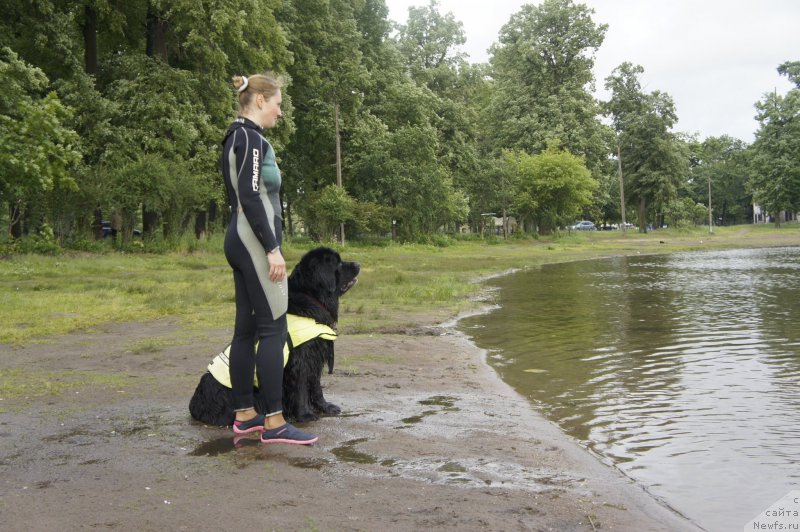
(683,370)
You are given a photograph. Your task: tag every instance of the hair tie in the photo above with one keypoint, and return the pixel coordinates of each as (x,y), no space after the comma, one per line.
(244,85)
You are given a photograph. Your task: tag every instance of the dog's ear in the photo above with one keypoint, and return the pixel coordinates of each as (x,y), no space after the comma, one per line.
(328,273)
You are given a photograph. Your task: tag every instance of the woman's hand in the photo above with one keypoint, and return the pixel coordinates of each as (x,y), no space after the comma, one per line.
(277,266)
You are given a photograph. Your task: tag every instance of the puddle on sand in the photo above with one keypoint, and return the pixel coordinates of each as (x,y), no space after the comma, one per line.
(347,453)
(416,419)
(309,463)
(215,447)
(445,401)
(454,470)
(452,467)
(222,446)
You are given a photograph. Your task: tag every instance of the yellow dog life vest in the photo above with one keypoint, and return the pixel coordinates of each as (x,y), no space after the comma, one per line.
(301,330)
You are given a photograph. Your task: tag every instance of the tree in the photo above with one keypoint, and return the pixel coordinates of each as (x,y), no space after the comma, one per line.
(654,160)
(551,188)
(542,71)
(326,209)
(775,181)
(160,124)
(37,150)
(328,79)
(723,163)
(195,48)
(429,43)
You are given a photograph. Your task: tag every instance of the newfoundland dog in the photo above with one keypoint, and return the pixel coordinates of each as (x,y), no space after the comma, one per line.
(315,286)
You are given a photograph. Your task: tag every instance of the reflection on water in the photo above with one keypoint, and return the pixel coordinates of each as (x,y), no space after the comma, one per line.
(682,370)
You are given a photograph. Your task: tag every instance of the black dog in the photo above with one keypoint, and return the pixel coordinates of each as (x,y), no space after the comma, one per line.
(315,285)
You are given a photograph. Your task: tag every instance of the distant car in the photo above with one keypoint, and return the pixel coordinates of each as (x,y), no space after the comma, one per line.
(105,225)
(584,226)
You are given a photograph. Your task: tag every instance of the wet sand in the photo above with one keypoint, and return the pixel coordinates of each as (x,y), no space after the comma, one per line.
(430,438)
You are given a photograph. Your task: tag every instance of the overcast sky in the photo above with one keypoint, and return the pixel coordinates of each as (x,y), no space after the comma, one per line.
(716,58)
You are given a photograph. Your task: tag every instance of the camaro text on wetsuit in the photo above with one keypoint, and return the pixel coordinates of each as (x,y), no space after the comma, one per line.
(255,170)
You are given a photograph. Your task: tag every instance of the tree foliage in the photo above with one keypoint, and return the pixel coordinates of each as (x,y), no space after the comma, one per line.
(39,149)
(115,110)
(542,71)
(655,163)
(775,181)
(551,188)
(724,164)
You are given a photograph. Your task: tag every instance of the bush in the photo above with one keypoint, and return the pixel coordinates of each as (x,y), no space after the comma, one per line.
(438,240)
(9,248)
(87,245)
(36,244)
(522,235)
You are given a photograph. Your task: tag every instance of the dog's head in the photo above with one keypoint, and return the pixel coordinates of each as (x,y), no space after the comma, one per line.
(315,285)
(322,272)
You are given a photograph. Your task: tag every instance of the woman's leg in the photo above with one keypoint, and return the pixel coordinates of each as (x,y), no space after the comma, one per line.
(255,320)
(269,366)
(242,354)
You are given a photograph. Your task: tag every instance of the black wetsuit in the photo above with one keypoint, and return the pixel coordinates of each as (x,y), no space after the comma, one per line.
(253,181)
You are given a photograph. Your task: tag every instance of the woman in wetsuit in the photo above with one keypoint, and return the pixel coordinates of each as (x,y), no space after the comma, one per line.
(252,247)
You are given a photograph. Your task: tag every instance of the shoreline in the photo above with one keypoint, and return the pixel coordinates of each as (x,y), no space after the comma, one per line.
(451,328)
(430,437)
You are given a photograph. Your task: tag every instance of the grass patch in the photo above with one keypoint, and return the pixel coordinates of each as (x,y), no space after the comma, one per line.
(153,345)
(45,296)
(16,383)
(350,364)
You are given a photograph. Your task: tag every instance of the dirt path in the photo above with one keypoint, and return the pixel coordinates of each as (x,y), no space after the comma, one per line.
(430,438)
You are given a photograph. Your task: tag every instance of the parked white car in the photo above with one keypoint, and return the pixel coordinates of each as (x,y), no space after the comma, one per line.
(584,225)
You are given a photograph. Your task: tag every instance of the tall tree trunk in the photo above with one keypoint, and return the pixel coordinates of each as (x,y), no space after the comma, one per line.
(168,228)
(338,162)
(90,40)
(156,43)
(621,189)
(97,224)
(15,219)
(90,67)
(724,214)
(155,46)
(149,222)
(213,210)
(200,224)
(642,214)
(710,215)
(289,225)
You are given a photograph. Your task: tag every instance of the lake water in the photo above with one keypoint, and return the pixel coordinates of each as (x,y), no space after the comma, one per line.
(682,370)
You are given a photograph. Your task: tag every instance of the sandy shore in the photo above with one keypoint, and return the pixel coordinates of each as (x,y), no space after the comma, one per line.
(430,438)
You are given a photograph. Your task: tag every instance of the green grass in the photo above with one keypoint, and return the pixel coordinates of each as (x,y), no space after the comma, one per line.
(43,296)
(17,383)
(400,285)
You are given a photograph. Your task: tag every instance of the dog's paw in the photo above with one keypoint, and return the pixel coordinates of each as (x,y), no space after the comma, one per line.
(331,409)
(304,417)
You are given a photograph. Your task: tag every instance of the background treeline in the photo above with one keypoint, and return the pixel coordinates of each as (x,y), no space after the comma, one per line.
(114,110)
